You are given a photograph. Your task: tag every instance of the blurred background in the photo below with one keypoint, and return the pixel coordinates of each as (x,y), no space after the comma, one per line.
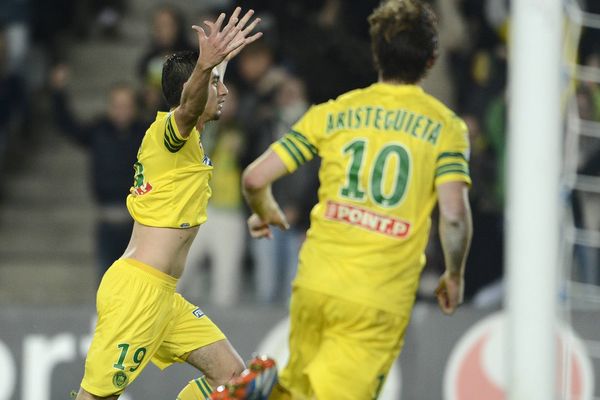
(80,83)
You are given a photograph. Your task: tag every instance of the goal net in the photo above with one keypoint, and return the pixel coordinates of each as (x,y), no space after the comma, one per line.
(579,275)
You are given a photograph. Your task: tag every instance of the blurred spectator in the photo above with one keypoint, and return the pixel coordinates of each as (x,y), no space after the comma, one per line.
(168,36)
(275,260)
(324,42)
(51,21)
(15,17)
(488,166)
(329,49)
(259,79)
(109,14)
(452,36)
(113,140)
(479,66)
(223,236)
(12,98)
(101,15)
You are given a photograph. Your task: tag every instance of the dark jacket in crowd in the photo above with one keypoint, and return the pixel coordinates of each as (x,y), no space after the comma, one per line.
(113,152)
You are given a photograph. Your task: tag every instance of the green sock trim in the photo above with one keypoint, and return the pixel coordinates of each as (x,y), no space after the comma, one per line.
(204,387)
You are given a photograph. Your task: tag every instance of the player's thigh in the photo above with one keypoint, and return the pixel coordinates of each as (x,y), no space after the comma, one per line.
(357,351)
(306,333)
(194,338)
(134,310)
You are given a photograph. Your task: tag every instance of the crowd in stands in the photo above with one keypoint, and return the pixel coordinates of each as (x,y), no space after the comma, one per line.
(311,51)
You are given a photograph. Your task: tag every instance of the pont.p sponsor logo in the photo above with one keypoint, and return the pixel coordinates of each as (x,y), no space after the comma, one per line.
(367,219)
(476,366)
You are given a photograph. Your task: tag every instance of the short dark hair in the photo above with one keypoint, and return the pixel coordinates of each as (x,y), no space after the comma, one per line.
(177,69)
(404,39)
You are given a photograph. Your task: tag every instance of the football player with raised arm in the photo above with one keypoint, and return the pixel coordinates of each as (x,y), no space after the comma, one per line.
(140,317)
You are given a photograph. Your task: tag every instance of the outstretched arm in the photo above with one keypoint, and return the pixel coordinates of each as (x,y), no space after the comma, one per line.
(214,48)
(67,121)
(256,185)
(456,230)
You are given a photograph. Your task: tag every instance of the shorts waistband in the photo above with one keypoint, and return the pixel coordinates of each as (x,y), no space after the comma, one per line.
(165,279)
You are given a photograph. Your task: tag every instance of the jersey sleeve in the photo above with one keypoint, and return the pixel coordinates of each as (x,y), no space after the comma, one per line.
(301,143)
(172,139)
(452,163)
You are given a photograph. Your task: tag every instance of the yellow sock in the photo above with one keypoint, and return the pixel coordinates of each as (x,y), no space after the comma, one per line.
(197,389)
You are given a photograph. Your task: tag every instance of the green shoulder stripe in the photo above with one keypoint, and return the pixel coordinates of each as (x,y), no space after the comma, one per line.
(452,171)
(172,131)
(295,149)
(290,152)
(170,147)
(172,137)
(171,141)
(460,166)
(304,141)
(453,155)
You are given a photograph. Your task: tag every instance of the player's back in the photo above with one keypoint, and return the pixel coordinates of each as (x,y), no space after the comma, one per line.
(383,150)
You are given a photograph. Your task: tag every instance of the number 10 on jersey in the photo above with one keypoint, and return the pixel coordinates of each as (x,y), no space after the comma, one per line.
(378,172)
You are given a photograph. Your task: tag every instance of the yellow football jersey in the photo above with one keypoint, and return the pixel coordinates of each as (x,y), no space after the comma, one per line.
(383,150)
(171,179)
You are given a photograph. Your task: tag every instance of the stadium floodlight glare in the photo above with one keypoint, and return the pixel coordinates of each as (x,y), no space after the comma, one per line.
(533,205)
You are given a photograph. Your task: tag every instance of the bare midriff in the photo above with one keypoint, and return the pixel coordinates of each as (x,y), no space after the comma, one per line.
(165,249)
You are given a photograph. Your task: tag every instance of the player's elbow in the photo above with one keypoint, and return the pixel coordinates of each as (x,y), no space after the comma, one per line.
(455,213)
(252,180)
(454,203)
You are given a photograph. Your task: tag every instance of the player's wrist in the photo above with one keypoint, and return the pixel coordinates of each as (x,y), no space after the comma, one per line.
(455,274)
(204,65)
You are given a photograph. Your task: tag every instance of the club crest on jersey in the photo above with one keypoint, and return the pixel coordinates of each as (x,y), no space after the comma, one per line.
(140,185)
(198,313)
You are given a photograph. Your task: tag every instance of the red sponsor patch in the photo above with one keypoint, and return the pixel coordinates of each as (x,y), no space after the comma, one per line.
(367,219)
(143,189)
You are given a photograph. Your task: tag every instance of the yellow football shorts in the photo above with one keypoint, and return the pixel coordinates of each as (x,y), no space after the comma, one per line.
(339,349)
(141,319)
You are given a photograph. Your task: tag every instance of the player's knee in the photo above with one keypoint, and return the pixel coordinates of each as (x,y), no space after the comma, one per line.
(237,368)
(228,370)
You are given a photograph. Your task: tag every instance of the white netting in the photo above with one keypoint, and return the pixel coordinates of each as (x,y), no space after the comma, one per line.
(581,236)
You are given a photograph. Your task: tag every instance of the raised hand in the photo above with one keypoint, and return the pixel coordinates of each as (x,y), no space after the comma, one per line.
(243,34)
(220,43)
